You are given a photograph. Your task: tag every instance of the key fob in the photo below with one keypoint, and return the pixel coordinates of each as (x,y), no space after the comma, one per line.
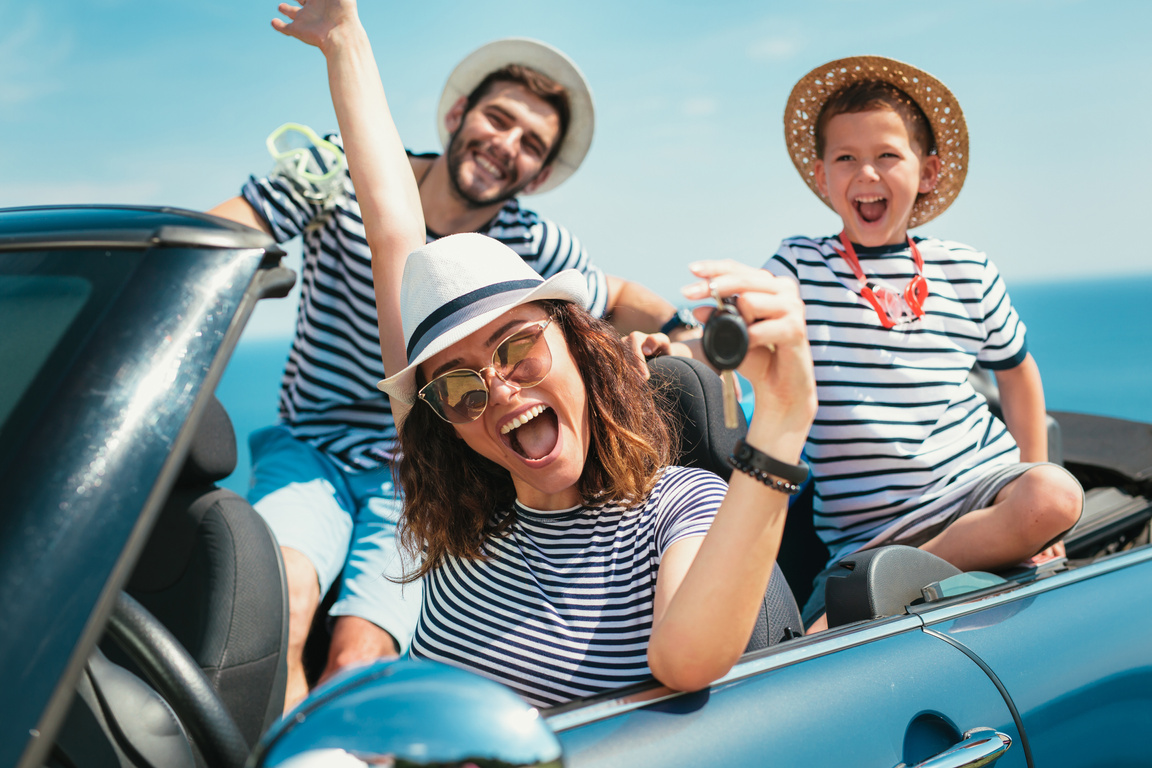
(725,339)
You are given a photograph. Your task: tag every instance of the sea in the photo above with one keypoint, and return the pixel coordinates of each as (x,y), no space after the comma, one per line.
(1092,340)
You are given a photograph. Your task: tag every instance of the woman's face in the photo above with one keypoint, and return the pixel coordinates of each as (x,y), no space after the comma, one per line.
(545,454)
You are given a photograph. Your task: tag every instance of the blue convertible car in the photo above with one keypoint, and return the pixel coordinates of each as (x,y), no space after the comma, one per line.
(144,612)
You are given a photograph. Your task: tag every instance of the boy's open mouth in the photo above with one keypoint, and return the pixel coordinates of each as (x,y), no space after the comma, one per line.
(871,209)
(534,433)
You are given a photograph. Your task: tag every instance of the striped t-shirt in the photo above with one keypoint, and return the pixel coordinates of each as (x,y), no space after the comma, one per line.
(900,435)
(328,394)
(563,606)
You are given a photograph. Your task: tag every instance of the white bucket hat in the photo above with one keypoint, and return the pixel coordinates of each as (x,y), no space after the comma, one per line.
(549,62)
(455,286)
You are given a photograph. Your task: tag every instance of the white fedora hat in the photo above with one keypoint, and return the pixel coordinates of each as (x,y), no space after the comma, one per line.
(455,286)
(549,62)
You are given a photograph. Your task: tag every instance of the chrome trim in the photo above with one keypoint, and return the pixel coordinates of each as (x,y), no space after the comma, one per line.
(1108,564)
(980,746)
(775,657)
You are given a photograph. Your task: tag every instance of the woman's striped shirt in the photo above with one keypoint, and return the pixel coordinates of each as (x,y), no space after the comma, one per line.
(563,606)
(328,394)
(900,435)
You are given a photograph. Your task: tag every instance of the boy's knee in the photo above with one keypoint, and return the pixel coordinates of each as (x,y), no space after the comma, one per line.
(1056,497)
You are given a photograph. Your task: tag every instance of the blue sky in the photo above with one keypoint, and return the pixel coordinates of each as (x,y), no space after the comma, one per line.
(134,101)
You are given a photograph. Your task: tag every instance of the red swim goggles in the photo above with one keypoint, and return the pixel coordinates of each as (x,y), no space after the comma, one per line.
(890,307)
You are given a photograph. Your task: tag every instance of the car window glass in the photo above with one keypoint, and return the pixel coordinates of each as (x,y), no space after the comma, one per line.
(35,312)
(51,301)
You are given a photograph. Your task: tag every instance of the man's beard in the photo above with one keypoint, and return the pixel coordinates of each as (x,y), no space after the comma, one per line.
(455,154)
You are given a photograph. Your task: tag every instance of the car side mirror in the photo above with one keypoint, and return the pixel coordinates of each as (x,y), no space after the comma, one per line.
(409,713)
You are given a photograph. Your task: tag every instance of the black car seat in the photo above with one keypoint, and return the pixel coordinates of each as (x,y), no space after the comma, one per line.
(211,573)
(695,395)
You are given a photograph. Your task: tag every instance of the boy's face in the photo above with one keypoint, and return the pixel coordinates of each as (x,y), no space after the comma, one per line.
(871,172)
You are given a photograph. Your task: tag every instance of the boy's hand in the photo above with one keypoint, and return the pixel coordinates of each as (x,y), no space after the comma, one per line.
(316,22)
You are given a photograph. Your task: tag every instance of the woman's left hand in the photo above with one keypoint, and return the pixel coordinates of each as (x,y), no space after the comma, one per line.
(779,361)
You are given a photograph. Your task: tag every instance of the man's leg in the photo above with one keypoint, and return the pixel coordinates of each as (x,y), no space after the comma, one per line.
(1028,514)
(302,497)
(303,600)
(375,615)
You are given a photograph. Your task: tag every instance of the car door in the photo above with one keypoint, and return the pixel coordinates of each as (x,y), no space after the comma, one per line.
(881,694)
(1074,651)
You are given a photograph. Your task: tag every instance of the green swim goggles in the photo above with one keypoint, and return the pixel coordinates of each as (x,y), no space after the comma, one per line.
(314,165)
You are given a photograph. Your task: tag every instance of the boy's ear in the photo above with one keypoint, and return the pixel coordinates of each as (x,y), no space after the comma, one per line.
(819,177)
(929,174)
(454,116)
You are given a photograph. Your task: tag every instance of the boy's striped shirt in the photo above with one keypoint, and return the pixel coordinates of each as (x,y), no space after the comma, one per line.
(900,434)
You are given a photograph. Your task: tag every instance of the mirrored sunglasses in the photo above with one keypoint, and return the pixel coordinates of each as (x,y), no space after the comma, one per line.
(523,359)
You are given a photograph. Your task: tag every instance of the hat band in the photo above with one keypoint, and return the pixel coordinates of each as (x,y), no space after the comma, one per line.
(463,308)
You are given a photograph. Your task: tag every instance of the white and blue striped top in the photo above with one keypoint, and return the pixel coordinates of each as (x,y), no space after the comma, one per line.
(563,606)
(328,394)
(900,435)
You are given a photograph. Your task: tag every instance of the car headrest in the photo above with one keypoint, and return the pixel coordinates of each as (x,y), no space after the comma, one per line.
(881,582)
(212,454)
(697,397)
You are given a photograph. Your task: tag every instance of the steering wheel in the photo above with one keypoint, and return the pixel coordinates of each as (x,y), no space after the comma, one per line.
(179,680)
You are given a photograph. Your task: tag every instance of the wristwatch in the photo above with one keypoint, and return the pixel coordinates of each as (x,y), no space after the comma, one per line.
(682,319)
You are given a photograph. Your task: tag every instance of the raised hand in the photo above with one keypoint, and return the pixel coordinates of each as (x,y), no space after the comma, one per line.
(315,22)
(779,362)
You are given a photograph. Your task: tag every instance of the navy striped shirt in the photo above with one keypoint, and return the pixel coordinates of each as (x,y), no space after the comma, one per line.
(563,606)
(328,394)
(900,436)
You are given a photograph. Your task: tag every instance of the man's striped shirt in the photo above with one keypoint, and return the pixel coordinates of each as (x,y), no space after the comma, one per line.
(328,394)
(900,435)
(563,606)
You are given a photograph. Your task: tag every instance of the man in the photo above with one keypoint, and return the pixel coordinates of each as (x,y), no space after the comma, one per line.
(516,118)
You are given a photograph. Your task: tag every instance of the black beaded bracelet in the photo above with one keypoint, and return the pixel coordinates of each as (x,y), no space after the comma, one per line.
(762,467)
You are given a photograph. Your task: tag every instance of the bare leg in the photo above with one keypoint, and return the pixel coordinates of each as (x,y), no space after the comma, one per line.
(356,640)
(303,600)
(1027,514)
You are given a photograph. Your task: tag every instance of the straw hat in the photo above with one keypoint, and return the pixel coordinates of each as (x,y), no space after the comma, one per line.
(933,97)
(549,62)
(455,286)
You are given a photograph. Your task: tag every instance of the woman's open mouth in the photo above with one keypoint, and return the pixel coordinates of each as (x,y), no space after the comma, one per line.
(533,434)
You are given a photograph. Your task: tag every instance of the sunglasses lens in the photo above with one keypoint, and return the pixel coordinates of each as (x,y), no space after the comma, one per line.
(524,359)
(458,396)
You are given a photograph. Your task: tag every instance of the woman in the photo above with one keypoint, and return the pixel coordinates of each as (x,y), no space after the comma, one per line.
(563,556)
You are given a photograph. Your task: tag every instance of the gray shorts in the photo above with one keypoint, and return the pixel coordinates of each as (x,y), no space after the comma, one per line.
(983,494)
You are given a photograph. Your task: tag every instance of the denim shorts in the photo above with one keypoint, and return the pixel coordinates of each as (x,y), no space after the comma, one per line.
(343,521)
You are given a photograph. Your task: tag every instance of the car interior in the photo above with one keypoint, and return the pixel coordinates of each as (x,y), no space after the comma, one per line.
(204,616)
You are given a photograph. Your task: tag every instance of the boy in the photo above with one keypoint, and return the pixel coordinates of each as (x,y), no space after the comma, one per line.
(903,449)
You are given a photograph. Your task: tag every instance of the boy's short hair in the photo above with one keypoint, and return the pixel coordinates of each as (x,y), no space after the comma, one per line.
(868,95)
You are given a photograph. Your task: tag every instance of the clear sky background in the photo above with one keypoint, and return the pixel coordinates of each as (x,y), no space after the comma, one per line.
(145,102)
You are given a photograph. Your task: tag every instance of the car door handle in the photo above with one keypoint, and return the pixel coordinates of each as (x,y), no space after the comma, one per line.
(980,746)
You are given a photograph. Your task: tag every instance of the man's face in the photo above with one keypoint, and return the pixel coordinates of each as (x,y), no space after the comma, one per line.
(498,148)
(872,172)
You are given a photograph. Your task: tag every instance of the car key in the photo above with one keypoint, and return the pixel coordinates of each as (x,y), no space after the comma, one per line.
(725,343)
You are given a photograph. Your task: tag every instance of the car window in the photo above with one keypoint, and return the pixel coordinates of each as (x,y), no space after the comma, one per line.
(50,302)
(35,311)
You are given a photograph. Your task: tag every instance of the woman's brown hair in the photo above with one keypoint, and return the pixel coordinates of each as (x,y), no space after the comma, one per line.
(455,499)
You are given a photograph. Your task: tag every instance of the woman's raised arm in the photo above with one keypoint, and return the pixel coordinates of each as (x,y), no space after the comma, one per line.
(708,590)
(385,187)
